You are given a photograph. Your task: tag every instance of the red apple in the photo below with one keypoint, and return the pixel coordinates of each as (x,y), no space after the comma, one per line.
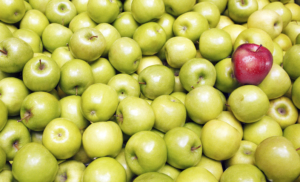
(251,63)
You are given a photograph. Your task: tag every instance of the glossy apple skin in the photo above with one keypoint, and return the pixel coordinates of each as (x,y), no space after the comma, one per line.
(251,63)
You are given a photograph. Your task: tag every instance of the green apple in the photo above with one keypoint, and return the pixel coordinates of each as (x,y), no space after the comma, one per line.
(284,12)
(127,5)
(292,30)
(277,54)
(156,80)
(125,55)
(34,163)
(290,63)
(272,22)
(215,40)
(4,115)
(14,54)
(5,32)
(197,128)
(234,30)
(145,11)
(81,156)
(81,20)
(243,172)
(178,50)
(295,10)
(39,5)
(283,41)
(121,159)
(37,136)
(190,25)
(62,138)
(292,134)
(102,139)
(215,167)
(41,73)
(148,61)
(170,171)
(80,5)
(224,21)
(220,140)
(103,11)
(126,24)
(150,37)
(27,6)
(12,11)
(104,169)
(12,93)
(13,137)
(229,118)
(239,11)
(179,95)
(295,93)
(140,150)
(221,4)
(70,170)
(34,20)
(194,174)
(75,77)
(197,72)
(277,159)
(166,22)
(153,177)
(262,3)
(210,11)
(276,83)
(60,11)
(102,70)
(38,109)
(205,99)
(61,55)
(110,34)
(178,7)
(248,103)
(169,113)
(99,102)
(31,38)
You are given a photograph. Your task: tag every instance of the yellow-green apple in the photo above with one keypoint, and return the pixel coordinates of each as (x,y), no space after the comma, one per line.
(170,171)
(194,174)
(121,159)
(239,11)
(34,163)
(70,170)
(152,177)
(225,79)
(75,77)
(38,109)
(290,63)
(221,4)
(197,72)
(125,55)
(104,168)
(14,54)
(229,118)
(81,20)
(272,22)
(190,25)
(213,166)
(60,11)
(31,38)
(262,3)
(125,86)
(39,5)
(224,21)
(242,172)
(295,10)
(283,41)
(205,99)
(12,93)
(220,140)
(284,12)
(110,34)
(292,30)
(90,40)
(251,63)
(147,10)
(12,11)
(103,11)
(215,40)
(150,37)
(13,137)
(4,115)
(44,71)
(34,20)
(197,128)
(80,5)
(166,22)
(62,138)
(36,136)
(277,159)
(248,103)
(102,139)
(292,134)
(126,24)
(27,6)
(178,7)
(148,61)
(296,93)
(99,102)
(81,156)
(210,11)
(234,30)
(6,174)
(178,50)
(102,70)
(277,54)
(156,80)
(5,32)
(61,55)
(245,154)
(127,5)
(179,95)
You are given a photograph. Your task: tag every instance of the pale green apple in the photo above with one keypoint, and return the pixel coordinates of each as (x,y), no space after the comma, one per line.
(31,38)
(292,134)
(224,21)
(234,30)
(34,20)
(178,50)
(197,72)
(37,136)
(70,170)
(194,174)
(277,54)
(166,22)
(283,41)
(39,5)
(179,95)
(295,10)
(135,114)
(282,10)
(102,70)
(262,3)
(197,128)
(81,5)
(147,61)
(153,177)
(81,20)
(292,30)
(5,32)
(126,24)
(4,114)
(149,10)
(239,11)
(127,5)
(61,55)
(296,93)
(215,40)
(81,156)
(210,11)
(229,118)
(99,102)
(243,172)
(170,171)
(125,55)
(248,103)
(290,63)
(103,11)
(121,159)
(12,11)
(177,7)
(205,99)
(213,166)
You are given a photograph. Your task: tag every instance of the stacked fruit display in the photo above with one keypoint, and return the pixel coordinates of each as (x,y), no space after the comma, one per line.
(149,90)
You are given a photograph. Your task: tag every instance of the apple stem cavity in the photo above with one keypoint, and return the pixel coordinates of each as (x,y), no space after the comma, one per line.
(27,116)
(142,83)
(3,51)
(258,47)
(16,145)
(120,117)
(42,66)
(93,37)
(68,46)
(195,148)
(281,111)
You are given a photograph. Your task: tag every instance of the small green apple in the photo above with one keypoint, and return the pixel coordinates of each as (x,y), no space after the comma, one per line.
(103,11)
(194,174)
(81,20)
(126,24)
(102,70)
(34,20)
(145,11)
(166,22)
(243,172)
(31,38)
(61,55)
(213,166)
(121,159)
(290,63)
(12,11)
(177,7)
(153,177)
(170,171)
(70,170)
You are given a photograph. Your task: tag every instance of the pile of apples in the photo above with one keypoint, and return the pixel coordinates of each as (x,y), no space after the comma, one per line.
(149,90)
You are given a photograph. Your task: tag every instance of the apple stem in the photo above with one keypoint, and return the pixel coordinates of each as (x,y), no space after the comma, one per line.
(3,51)
(242,2)
(258,47)
(297,149)
(76,90)
(193,87)
(120,116)
(93,37)
(41,65)
(15,144)
(68,46)
(27,115)
(142,83)
(227,105)
(200,78)
(195,148)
